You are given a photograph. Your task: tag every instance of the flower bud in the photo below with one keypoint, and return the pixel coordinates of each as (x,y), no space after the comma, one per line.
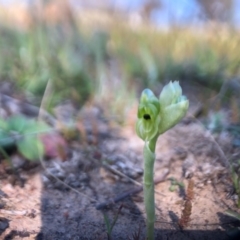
(173,106)
(170,94)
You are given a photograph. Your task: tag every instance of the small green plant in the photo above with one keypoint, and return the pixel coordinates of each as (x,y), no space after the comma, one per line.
(175,184)
(111,225)
(236,181)
(233,233)
(23,132)
(156,116)
(136,235)
(217,122)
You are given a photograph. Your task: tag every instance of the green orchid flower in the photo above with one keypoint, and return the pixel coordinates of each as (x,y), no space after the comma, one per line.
(156,116)
(148,115)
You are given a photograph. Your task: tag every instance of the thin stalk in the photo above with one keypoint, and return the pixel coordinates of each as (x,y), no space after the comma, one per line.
(156,116)
(237,189)
(236,184)
(148,185)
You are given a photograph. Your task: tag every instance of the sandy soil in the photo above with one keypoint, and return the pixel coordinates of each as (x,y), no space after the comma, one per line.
(108,163)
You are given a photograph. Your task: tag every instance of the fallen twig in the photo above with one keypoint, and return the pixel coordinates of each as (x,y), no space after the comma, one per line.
(115,171)
(129,193)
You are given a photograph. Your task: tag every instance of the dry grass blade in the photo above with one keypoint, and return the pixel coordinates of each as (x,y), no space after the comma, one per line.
(190,193)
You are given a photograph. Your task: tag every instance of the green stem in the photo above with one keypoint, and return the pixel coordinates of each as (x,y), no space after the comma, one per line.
(148,185)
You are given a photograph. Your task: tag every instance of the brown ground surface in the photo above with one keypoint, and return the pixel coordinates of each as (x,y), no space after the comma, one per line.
(47,209)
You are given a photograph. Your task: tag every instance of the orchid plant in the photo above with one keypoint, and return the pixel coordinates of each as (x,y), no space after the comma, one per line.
(156,116)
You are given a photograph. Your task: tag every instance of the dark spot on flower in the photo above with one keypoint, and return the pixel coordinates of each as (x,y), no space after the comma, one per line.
(146,116)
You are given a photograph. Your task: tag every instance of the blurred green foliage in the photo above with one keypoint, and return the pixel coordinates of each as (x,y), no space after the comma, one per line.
(33,58)
(182,54)
(81,62)
(23,132)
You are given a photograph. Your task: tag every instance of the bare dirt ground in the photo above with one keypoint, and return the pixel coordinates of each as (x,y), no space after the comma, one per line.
(106,164)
